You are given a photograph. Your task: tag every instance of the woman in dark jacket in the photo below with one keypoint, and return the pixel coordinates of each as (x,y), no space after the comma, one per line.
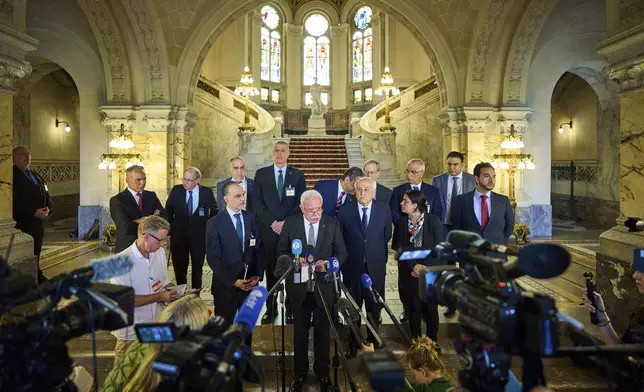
(416,229)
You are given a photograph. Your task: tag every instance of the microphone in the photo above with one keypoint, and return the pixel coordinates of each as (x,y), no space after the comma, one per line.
(367,283)
(296,248)
(282,266)
(310,258)
(243,325)
(464,239)
(99,270)
(541,261)
(333,267)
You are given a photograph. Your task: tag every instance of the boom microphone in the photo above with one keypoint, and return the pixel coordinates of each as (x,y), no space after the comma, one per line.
(283,264)
(467,240)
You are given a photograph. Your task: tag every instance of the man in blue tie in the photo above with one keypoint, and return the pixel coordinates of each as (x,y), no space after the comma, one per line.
(31,201)
(234,252)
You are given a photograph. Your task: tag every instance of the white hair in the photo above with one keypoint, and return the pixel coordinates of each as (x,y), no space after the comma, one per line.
(309,195)
(196,172)
(419,161)
(365,179)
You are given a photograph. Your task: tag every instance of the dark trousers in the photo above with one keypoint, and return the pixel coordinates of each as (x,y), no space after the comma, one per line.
(446,230)
(362,295)
(37,231)
(184,249)
(321,336)
(270,239)
(418,310)
(227,300)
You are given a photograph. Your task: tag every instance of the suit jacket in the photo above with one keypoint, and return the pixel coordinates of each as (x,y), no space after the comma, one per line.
(370,246)
(27,198)
(432,235)
(224,251)
(329,244)
(124,210)
(190,224)
(441,182)
(383,194)
(249,193)
(267,205)
(329,191)
(500,225)
(431,194)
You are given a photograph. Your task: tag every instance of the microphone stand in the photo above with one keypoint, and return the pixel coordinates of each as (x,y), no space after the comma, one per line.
(336,356)
(336,337)
(362,316)
(282,297)
(399,326)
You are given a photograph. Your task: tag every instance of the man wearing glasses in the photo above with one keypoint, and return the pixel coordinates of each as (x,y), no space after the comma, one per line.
(371,169)
(321,233)
(238,176)
(189,207)
(131,205)
(414,172)
(148,278)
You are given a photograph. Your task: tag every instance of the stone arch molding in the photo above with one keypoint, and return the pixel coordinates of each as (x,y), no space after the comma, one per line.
(185,80)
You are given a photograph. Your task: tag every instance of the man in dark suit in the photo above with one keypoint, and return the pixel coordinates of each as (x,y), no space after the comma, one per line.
(338,192)
(189,206)
(415,172)
(482,211)
(31,201)
(371,169)
(235,253)
(323,234)
(366,229)
(238,175)
(133,203)
(275,198)
(451,184)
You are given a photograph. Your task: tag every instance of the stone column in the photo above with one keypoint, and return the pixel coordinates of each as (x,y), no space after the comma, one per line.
(293,57)
(623,51)
(473,146)
(454,131)
(179,144)
(14,45)
(379,36)
(339,69)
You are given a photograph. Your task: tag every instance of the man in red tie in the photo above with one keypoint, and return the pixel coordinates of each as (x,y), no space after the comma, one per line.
(133,203)
(482,211)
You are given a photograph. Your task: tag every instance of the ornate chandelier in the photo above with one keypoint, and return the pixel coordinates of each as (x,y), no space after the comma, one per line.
(389,89)
(246,89)
(123,140)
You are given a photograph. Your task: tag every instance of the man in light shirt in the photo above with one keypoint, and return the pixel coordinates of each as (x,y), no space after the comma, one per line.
(148,278)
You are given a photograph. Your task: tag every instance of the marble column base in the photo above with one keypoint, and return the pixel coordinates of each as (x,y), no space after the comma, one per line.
(21,256)
(538,218)
(617,287)
(86,217)
(317,127)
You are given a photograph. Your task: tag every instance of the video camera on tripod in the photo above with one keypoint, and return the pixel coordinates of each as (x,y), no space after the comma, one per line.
(33,353)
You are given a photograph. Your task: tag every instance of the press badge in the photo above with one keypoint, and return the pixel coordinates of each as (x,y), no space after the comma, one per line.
(202,212)
(252,241)
(290,191)
(296,277)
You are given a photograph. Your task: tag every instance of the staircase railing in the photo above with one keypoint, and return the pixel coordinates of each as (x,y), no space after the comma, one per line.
(382,145)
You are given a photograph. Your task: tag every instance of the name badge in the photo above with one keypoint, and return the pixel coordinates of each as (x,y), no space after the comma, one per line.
(46,188)
(252,241)
(202,212)
(290,191)
(296,277)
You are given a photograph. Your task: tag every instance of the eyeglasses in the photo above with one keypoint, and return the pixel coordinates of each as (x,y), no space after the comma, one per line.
(313,210)
(414,172)
(368,173)
(161,241)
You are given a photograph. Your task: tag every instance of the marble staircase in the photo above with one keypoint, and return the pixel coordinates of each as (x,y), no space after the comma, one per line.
(319,157)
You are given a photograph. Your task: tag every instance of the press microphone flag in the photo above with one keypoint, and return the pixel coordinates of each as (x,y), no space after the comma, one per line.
(334,265)
(296,248)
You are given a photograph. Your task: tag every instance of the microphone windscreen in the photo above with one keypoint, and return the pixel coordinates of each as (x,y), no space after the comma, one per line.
(296,247)
(543,261)
(248,313)
(334,265)
(461,239)
(111,267)
(366,281)
(282,265)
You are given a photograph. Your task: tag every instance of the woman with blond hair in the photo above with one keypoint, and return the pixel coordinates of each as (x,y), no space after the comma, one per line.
(426,367)
(134,371)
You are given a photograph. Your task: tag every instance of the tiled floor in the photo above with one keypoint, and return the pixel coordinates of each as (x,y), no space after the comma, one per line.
(62,254)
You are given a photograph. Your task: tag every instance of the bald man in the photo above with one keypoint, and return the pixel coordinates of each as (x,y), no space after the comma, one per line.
(31,201)
(131,205)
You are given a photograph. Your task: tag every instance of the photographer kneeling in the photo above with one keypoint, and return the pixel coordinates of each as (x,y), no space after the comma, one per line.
(635,331)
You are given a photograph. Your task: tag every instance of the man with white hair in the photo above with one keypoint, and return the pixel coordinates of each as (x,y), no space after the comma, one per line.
(322,236)
(189,207)
(371,169)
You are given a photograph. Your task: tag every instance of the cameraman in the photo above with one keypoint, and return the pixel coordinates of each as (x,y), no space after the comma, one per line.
(635,331)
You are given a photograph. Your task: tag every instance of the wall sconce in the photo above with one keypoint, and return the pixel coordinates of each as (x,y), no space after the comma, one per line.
(566,123)
(67,127)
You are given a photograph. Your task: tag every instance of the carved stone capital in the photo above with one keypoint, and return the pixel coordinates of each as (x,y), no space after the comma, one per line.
(11,71)
(293,30)
(629,76)
(113,116)
(157,124)
(477,119)
(517,116)
(340,31)
(14,45)
(477,125)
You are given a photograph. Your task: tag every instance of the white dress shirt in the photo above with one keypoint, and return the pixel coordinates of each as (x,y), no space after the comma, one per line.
(477,204)
(241,218)
(459,189)
(419,186)
(340,190)
(148,276)
(195,198)
(316,230)
(135,196)
(368,212)
(277,174)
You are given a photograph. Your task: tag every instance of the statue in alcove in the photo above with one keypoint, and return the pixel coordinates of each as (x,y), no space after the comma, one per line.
(318,109)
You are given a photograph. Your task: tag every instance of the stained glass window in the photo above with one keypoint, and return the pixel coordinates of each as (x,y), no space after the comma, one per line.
(357,96)
(263,93)
(275,96)
(368,95)
(271,46)
(317,49)
(362,46)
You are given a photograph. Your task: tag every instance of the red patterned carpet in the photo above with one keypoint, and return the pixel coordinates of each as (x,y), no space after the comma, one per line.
(319,158)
